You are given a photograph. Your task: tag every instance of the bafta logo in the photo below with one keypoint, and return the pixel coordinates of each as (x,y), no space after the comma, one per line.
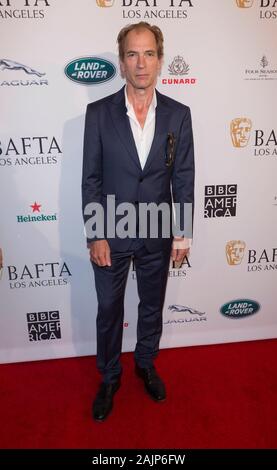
(240,131)
(244,3)
(1,263)
(235,251)
(105,3)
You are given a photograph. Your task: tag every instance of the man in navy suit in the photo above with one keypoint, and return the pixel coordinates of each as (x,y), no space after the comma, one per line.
(138,149)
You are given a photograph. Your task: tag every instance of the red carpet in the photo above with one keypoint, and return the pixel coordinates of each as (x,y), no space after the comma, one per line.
(220,396)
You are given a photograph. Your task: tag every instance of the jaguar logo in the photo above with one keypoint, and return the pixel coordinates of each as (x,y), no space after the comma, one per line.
(6,64)
(184,309)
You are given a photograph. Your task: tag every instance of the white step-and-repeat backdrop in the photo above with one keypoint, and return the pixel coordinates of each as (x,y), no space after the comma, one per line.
(59,55)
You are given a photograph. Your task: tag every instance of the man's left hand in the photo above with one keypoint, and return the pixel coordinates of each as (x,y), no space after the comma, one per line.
(178,254)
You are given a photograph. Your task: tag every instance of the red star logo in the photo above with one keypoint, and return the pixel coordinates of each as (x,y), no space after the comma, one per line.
(36,207)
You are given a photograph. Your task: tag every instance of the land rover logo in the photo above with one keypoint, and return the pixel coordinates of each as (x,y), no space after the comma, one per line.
(90,70)
(240,308)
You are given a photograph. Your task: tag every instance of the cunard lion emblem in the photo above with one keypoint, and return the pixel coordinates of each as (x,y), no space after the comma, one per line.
(178,66)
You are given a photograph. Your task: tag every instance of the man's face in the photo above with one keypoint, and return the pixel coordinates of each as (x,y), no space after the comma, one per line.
(140,65)
(240,131)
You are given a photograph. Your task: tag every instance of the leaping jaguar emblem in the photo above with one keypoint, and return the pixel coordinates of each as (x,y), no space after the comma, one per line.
(6,64)
(184,309)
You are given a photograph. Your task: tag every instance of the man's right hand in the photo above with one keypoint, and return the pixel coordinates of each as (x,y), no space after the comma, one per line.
(100,253)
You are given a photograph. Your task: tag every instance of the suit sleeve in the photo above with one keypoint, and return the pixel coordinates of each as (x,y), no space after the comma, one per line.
(92,164)
(183,178)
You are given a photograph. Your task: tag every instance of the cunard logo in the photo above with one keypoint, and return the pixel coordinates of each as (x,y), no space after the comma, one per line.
(178,66)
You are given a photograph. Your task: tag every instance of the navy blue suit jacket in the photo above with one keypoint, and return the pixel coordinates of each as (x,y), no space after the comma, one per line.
(111,164)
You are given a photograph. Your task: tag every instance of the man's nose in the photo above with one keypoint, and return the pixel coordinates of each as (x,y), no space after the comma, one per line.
(141,61)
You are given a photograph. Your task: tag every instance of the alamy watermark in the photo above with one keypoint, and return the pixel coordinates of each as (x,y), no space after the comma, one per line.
(142,219)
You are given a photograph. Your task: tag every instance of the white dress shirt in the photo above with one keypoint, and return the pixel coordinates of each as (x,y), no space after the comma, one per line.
(143,137)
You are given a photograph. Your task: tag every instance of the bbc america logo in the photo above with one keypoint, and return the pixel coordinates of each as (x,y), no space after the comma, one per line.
(44,325)
(220,200)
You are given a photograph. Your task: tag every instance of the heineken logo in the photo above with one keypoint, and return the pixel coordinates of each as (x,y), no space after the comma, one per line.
(36,215)
(90,70)
(240,308)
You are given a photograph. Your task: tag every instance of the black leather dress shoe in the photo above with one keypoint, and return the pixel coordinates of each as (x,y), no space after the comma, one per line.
(152,382)
(103,402)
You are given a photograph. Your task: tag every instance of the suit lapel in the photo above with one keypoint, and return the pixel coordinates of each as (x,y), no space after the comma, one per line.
(161,130)
(122,125)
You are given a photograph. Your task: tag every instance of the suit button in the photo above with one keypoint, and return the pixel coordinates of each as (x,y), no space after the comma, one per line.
(141,180)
